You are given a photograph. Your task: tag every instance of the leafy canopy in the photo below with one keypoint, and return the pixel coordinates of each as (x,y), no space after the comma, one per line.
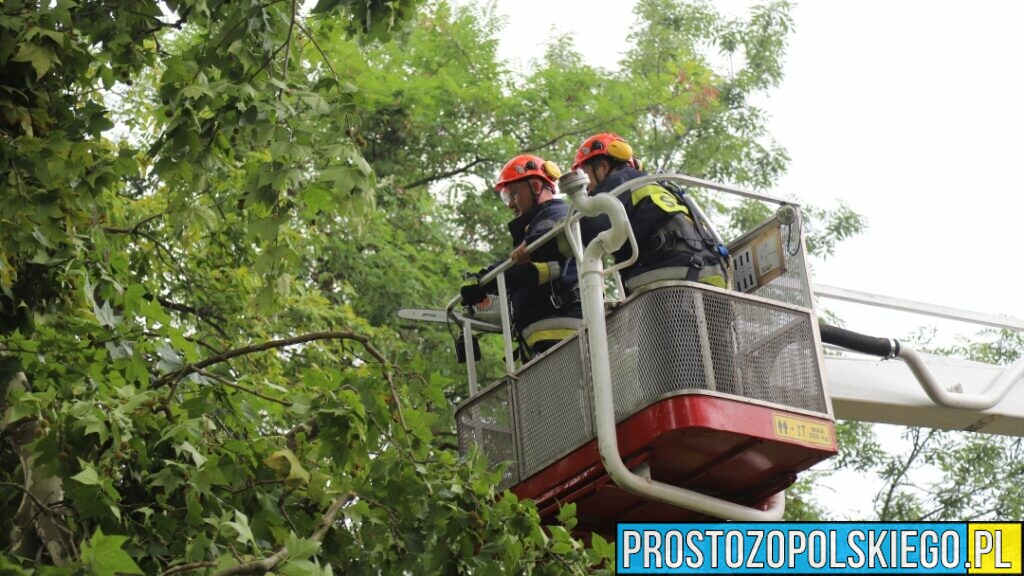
(213,210)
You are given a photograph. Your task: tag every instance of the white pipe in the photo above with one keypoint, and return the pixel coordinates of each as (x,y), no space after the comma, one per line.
(992,395)
(574,236)
(634,248)
(591,271)
(506,323)
(467,341)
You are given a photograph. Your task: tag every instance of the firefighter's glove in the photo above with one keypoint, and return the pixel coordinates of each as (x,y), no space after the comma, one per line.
(472,292)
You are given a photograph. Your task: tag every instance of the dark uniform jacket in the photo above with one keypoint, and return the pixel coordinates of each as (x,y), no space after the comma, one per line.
(664,229)
(546,286)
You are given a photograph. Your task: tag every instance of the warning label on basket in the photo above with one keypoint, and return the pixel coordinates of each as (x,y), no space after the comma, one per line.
(802,430)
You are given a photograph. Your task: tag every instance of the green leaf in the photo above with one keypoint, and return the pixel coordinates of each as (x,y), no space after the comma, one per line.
(57,37)
(604,548)
(198,458)
(88,475)
(167,478)
(324,6)
(241,525)
(287,465)
(316,198)
(94,425)
(567,512)
(301,548)
(102,555)
(146,512)
(299,568)
(105,315)
(12,569)
(193,91)
(169,358)
(41,57)
(343,177)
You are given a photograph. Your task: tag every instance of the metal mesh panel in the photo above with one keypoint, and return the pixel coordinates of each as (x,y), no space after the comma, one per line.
(678,338)
(554,414)
(625,356)
(777,358)
(669,339)
(792,286)
(487,422)
(654,349)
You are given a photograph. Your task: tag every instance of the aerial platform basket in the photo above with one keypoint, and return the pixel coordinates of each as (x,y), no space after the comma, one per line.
(720,392)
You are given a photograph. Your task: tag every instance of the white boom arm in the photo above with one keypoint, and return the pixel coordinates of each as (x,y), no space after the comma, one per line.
(925,389)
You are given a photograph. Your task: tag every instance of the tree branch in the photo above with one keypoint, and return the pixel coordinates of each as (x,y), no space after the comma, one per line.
(254,483)
(448,174)
(534,148)
(592,128)
(897,479)
(162,25)
(171,263)
(277,51)
(173,378)
(318,49)
(167,303)
(188,567)
(270,562)
(39,503)
(236,386)
(288,50)
(280,506)
(145,221)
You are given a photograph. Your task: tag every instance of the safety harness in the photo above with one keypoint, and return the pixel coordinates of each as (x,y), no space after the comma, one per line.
(684,231)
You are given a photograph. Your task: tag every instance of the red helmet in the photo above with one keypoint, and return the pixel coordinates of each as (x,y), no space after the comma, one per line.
(604,143)
(526,165)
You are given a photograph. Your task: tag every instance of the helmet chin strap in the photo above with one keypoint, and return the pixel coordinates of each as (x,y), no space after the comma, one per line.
(594,165)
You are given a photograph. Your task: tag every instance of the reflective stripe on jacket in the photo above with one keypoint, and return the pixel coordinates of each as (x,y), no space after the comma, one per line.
(546,287)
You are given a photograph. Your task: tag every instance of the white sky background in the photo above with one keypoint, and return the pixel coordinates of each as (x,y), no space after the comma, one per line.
(910,112)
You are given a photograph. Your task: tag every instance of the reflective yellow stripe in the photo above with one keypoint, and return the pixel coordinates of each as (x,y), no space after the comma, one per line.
(557,334)
(543,272)
(716,280)
(662,198)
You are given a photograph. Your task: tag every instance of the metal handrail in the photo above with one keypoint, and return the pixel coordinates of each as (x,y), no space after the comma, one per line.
(903,305)
(996,390)
(623,188)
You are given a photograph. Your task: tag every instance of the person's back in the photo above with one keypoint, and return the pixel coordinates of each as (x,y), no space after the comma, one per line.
(671,244)
(671,247)
(543,285)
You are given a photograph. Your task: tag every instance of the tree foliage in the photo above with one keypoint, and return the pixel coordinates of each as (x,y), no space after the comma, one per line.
(212,211)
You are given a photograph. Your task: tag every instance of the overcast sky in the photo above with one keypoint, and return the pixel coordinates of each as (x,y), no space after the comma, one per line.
(909,112)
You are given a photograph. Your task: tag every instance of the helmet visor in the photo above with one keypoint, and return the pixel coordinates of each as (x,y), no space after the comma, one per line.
(507,194)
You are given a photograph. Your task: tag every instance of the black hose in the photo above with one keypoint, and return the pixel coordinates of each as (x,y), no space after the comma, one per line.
(884,347)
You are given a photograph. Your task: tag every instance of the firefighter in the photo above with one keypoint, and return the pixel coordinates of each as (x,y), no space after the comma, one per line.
(672,244)
(543,285)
